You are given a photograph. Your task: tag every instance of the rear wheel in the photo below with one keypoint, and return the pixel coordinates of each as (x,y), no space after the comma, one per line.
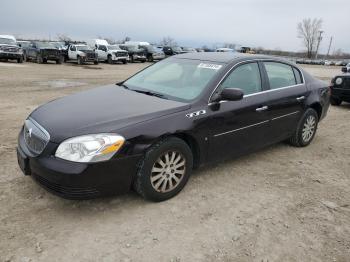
(124,62)
(164,170)
(335,101)
(306,129)
(150,58)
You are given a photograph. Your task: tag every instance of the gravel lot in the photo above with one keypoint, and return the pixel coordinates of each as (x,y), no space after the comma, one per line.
(279,204)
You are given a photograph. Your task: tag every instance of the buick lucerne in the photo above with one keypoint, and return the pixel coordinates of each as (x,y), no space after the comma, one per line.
(149,131)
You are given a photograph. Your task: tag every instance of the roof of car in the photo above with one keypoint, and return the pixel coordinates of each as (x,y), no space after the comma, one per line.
(221,57)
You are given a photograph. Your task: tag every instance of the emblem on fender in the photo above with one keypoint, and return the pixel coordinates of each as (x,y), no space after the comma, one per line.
(197,113)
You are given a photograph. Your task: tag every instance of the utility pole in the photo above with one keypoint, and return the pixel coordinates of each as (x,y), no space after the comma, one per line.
(318,43)
(329,47)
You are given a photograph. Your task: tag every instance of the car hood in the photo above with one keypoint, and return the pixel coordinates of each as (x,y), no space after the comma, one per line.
(100,110)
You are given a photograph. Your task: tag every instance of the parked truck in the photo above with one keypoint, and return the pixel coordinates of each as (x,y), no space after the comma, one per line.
(9,49)
(109,53)
(80,53)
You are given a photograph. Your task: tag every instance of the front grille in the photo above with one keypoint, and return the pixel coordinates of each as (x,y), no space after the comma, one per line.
(120,54)
(49,52)
(66,191)
(90,55)
(35,136)
(10,49)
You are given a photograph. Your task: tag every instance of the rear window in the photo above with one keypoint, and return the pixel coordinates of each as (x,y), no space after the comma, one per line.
(280,75)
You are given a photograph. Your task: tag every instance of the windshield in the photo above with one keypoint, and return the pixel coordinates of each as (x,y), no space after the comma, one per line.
(7,41)
(44,45)
(177,79)
(114,47)
(177,49)
(24,44)
(82,47)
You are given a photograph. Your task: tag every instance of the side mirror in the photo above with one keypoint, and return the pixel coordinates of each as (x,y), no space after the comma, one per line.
(344,69)
(229,94)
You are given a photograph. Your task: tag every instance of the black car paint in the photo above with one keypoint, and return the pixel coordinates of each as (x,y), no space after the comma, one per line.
(225,130)
(341,92)
(133,52)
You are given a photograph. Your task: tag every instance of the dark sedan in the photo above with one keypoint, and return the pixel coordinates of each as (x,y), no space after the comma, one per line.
(151,130)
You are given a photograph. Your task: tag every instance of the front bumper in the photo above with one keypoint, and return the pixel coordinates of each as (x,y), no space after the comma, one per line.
(341,93)
(7,55)
(73,180)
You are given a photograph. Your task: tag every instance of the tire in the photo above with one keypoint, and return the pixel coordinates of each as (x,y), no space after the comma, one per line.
(60,60)
(306,129)
(95,62)
(45,60)
(39,59)
(109,60)
(142,61)
(124,62)
(24,57)
(150,58)
(131,59)
(80,60)
(335,101)
(163,175)
(20,60)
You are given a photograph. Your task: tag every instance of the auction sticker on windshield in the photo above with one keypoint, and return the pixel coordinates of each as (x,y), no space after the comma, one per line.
(209,66)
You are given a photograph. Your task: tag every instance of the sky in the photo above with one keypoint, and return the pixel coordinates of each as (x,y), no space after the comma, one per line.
(257,23)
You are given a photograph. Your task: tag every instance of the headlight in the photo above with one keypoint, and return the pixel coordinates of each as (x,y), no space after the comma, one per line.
(339,81)
(90,148)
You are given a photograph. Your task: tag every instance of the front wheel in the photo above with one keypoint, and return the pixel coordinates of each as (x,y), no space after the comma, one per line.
(20,60)
(80,60)
(165,170)
(109,60)
(306,129)
(335,101)
(39,59)
(96,62)
(60,60)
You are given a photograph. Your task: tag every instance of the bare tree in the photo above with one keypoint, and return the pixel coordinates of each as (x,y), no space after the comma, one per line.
(63,37)
(308,31)
(168,41)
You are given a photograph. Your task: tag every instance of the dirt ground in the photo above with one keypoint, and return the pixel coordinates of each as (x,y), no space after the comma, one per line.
(279,204)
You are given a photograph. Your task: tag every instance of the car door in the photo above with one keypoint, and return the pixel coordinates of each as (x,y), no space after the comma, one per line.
(72,52)
(102,52)
(286,98)
(30,51)
(238,127)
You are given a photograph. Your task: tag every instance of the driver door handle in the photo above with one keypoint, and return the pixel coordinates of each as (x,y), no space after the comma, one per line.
(263,108)
(300,98)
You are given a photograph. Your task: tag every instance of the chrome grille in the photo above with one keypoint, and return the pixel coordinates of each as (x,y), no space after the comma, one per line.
(121,54)
(35,136)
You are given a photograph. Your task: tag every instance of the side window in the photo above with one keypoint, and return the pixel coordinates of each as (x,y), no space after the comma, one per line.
(245,77)
(298,76)
(72,48)
(103,48)
(280,75)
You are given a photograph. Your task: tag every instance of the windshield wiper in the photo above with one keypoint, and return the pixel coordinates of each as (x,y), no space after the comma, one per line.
(149,93)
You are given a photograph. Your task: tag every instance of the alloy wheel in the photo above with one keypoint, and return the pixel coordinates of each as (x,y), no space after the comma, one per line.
(309,128)
(168,171)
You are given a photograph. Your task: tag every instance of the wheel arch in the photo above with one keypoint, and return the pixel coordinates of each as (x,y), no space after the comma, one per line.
(317,107)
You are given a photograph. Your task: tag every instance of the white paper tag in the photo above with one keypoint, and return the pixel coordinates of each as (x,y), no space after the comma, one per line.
(209,66)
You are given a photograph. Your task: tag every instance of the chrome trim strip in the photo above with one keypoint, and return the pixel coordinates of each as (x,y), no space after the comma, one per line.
(265,91)
(245,127)
(293,113)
